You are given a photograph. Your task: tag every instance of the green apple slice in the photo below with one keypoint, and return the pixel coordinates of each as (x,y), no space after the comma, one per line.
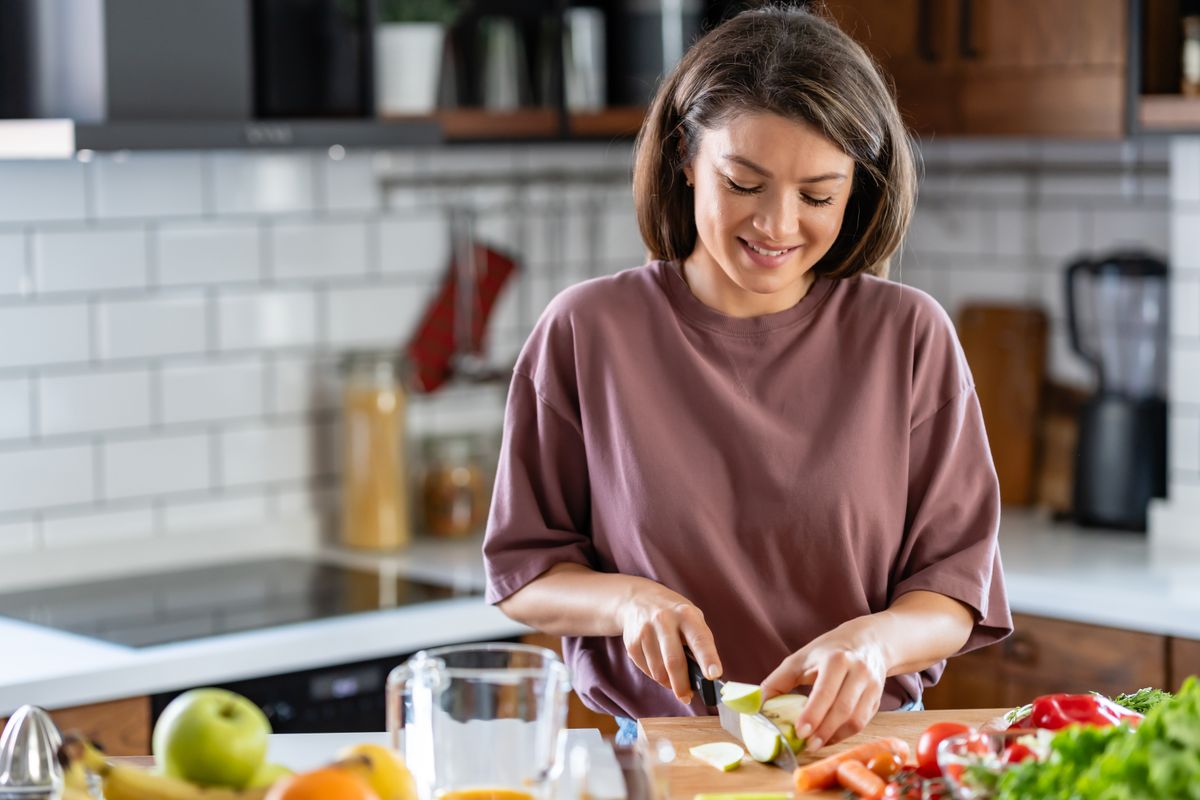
(744,698)
(762,740)
(725,756)
(783,711)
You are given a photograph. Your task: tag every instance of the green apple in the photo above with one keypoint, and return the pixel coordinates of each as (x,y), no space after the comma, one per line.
(783,711)
(267,774)
(212,737)
(762,740)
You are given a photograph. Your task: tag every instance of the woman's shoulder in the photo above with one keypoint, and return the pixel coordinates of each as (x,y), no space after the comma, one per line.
(890,303)
(608,293)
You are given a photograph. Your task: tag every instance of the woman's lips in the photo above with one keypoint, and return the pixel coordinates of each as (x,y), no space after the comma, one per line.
(763,260)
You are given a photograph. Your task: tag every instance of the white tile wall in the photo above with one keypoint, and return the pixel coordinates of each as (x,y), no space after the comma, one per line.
(147,185)
(14,271)
(156,465)
(162,325)
(213,293)
(1185,169)
(1185,442)
(1185,372)
(89,260)
(93,401)
(208,253)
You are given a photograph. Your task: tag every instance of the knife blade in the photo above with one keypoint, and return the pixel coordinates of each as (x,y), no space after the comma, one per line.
(731,721)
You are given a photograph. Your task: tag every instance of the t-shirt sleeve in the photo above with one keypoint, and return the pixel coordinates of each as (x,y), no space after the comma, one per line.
(953,516)
(540,506)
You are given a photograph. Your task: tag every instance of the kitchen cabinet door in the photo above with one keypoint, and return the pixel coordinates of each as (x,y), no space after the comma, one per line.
(913,41)
(1185,661)
(1044,656)
(1043,67)
(121,727)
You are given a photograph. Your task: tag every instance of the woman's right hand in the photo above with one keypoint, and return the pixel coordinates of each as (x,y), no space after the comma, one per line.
(657,623)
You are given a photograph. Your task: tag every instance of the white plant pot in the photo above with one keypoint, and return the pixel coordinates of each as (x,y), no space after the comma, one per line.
(408,60)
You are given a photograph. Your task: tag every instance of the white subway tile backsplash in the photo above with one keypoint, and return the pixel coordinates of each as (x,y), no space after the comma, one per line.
(89,260)
(15,405)
(280,318)
(385,316)
(1130,228)
(307,501)
(264,183)
(1185,306)
(14,269)
(264,454)
(1185,442)
(1185,372)
(951,229)
(303,384)
(622,239)
(93,401)
(43,334)
(42,477)
(17,537)
(162,325)
(990,285)
(1185,236)
(204,516)
(1058,231)
(352,183)
(208,253)
(156,465)
(1185,169)
(415,243)
(149,185)
(318,249)
(1014,231)
(214,390)
(72,530)
(37,191)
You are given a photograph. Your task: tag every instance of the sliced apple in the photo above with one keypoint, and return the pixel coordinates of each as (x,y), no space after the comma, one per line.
(783,711)
(744,698)
(762,740)
(725,756)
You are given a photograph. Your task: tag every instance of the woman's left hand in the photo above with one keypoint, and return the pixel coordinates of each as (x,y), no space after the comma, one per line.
(846,668)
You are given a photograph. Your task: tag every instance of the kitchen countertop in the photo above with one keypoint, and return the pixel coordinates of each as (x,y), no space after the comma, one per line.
(1058,571)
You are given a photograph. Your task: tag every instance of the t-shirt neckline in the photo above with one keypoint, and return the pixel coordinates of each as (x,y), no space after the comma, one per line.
(695,311)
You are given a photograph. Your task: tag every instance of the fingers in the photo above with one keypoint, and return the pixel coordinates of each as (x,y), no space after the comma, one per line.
(825,693)
(845,696)
(864,712)
(700,641)
(792,672)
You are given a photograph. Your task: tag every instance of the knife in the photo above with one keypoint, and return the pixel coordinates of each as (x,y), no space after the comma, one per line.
(710,693)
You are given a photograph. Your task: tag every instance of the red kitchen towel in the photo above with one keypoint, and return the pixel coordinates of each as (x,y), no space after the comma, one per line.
(431,349)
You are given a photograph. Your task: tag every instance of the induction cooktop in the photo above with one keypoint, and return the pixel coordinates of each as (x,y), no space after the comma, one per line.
(195,603)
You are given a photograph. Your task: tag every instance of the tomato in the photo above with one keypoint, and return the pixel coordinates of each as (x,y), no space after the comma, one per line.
(1015,753)
(927,745)
(897,791)
(885,765)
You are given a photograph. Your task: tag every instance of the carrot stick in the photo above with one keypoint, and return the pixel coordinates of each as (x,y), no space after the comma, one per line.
(823,774)
(853,775)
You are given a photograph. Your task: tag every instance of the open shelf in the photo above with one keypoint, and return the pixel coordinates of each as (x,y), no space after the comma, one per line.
(1169,113)
(611,122)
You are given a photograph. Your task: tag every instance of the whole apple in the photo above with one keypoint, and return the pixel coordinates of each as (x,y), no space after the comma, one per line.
(212,737)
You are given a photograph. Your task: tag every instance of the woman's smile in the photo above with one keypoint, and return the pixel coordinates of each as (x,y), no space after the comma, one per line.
(766,256)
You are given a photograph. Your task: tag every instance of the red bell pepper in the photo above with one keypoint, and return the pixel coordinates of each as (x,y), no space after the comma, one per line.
(1055,711)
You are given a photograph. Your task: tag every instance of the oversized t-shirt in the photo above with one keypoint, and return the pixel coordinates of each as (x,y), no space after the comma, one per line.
(785,473)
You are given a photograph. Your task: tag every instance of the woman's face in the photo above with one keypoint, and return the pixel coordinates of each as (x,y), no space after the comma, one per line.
(769,194)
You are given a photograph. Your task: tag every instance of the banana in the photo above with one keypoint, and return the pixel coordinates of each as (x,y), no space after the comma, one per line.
(127,782)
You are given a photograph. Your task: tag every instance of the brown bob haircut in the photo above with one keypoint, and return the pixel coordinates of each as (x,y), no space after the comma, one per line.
(800,65)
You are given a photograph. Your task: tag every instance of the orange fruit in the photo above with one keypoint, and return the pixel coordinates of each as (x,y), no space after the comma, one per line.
(326,783)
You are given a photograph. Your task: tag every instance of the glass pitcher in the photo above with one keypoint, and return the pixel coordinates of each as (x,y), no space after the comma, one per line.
(480,721)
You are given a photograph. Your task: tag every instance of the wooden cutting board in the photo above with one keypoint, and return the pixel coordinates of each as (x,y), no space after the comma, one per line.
(686,776)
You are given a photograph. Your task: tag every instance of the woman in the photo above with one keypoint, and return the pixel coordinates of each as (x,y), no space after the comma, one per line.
(754,446)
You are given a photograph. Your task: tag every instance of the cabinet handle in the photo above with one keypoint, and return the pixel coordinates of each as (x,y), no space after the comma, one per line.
(1021,650)
(966,25)
(925,31)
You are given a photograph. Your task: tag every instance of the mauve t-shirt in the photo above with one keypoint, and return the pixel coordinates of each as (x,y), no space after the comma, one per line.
(785,473)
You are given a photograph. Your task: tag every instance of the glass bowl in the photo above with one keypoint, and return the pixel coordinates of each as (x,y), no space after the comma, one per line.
(972,763)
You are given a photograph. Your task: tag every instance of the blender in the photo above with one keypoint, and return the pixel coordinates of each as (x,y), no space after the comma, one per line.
(1117,318)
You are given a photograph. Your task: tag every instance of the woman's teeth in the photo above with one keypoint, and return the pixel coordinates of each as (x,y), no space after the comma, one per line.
(766,252)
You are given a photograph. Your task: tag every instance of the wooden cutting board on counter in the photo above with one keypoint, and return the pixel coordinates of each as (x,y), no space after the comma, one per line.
(686,776)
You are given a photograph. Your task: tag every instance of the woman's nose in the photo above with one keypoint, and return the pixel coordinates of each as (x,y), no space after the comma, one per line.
(779,218)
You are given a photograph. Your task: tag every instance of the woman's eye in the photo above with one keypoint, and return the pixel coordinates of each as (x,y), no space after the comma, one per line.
(817,201)
(742,189)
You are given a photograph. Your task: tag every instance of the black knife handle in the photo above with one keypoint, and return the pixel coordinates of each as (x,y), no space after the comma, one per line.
(701,684)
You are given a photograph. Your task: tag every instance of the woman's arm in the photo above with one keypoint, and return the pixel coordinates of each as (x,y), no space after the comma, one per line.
(847,666)
(655,622)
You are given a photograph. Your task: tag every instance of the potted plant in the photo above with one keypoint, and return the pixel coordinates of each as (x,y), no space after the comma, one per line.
(409,39)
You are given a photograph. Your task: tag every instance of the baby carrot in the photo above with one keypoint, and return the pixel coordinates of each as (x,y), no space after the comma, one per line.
(853,775)
(823,774)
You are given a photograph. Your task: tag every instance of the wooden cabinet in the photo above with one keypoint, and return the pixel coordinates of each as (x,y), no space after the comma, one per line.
(1000,67)
(122,727)
(1184,661)
(578,715)
(1044,656)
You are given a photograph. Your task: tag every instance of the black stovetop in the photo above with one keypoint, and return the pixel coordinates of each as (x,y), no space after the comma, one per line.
(180,605)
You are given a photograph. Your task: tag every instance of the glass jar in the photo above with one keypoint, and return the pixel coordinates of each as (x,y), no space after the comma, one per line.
(375,503)
(454,493)
(1191,55)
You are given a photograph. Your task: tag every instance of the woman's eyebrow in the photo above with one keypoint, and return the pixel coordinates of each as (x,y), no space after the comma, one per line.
(748,164)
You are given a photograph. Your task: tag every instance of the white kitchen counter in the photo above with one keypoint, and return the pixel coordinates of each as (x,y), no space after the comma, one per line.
(1052,570)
